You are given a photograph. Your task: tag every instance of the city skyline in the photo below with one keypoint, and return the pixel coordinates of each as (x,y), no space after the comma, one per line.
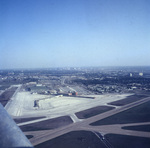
(49,33)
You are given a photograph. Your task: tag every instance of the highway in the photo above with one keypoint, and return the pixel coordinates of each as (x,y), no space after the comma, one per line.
(42,136)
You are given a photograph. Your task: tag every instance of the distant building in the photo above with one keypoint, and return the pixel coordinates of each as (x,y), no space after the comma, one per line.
(69,94)
(131,74)
(75,93)
(32,83)
(141,74)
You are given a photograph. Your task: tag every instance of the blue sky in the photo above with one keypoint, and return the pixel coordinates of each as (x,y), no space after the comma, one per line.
(68,33)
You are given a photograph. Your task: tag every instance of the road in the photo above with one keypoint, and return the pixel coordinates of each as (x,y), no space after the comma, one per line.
(42,136)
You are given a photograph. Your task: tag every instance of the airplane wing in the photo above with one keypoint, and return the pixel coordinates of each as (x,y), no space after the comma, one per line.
(10,134)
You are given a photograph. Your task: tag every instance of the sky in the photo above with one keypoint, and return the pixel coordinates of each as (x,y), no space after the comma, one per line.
(74,33)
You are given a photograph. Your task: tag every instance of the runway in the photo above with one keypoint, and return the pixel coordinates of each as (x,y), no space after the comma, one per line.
(42,136)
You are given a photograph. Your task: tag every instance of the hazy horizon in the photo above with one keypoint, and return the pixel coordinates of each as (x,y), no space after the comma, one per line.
(141,68)
(76,33)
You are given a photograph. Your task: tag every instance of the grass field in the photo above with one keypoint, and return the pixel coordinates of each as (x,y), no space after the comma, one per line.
(20,120)
(93,111)
(128,100)
(75,139)
(144,128)
(5,96)
(47,124)
(123,141)
(29,136)
(3,87)
(140,113)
